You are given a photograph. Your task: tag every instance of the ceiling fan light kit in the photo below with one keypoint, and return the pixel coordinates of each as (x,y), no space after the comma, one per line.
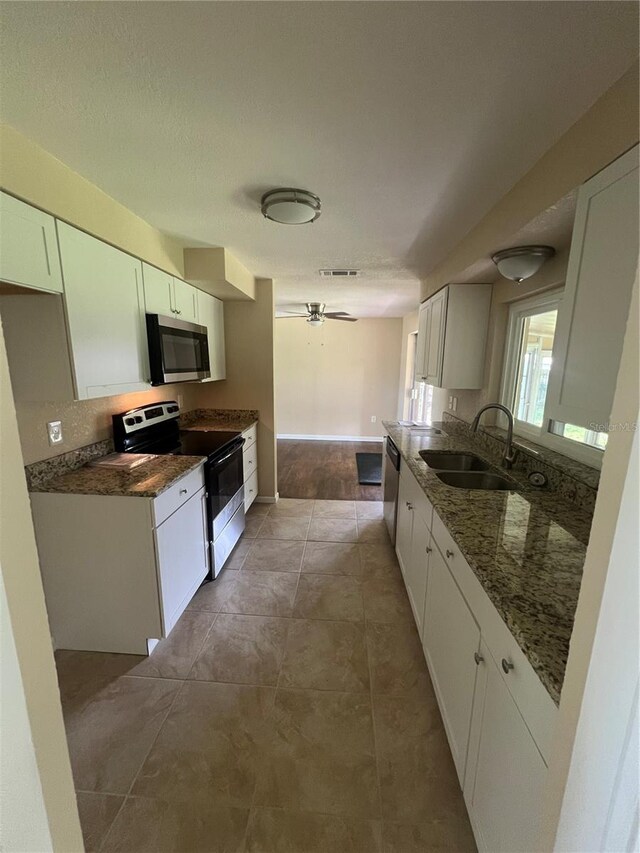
(290,206)
(521,262)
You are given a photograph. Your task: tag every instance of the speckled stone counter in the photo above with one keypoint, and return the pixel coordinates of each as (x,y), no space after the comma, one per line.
(145,481)
(210,420)
(526,547)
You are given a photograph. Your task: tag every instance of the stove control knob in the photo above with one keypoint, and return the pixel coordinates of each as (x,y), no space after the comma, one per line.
(138,419)
(129,421)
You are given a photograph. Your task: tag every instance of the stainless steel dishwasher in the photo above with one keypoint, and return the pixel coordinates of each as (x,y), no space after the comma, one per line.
(390,478)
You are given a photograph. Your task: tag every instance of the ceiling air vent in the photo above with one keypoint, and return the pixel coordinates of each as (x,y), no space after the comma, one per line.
(339,273)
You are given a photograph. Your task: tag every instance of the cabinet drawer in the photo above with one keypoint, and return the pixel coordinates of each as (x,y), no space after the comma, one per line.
(250,436)
(250,490)
(177,494)
(413,493)
(250,461)
(530,695)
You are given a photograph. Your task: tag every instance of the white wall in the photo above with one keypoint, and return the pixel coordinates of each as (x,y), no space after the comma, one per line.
(331,379)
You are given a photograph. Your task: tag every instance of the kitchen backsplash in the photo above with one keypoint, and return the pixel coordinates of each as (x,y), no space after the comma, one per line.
(39,472)
(575,481)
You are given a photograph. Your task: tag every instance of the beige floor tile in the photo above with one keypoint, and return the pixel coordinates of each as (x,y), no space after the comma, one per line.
(333,529)
(258,509)
(174,657)
(291,508)
(396,659)
(97,813)
(386,600)
(110,734)
(274,556)
(211,594)
(279,831)
(325,656)
(82,675)
(369,509)
(321,755)
(236,558)
(452,835)
(211,744)
(373,530)
(252,526)
(242,650)
(379,560)
(332,558)
(161,826)
(284,528)
(336,597)
(334,509)
(261,594)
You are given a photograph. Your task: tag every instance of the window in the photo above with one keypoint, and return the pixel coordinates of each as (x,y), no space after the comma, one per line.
(420,394)
(529,349)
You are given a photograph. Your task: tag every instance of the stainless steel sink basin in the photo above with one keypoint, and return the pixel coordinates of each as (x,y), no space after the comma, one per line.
(476,480)
(440,461)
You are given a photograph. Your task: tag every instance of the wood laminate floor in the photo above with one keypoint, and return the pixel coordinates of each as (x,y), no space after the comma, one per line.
(324,470)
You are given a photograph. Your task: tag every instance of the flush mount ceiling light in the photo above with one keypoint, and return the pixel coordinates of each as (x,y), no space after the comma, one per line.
(290,206)
(522,262)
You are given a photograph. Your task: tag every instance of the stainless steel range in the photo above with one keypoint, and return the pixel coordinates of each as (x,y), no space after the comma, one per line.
(154,429)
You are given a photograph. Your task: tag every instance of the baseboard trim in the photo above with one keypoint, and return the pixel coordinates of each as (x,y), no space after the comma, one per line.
(266,499)
(331,437)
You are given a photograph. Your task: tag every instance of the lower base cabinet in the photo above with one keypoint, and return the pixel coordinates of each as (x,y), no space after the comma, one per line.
(506,773)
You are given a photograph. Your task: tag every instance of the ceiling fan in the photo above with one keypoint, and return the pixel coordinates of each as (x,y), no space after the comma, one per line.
(316,315)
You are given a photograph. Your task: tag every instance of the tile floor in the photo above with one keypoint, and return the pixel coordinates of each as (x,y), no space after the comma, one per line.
(289,710)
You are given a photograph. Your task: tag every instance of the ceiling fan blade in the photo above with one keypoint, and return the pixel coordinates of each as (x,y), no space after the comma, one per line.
(344,319)
(290,316)
(336,314)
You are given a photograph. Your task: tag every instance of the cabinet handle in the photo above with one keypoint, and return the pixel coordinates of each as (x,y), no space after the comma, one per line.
(428,549)
(183,491)
(507,666)
(409,506)
(449,553)
(178,312)
(478,658)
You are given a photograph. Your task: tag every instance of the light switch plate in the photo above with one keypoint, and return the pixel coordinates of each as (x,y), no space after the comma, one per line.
(54,431)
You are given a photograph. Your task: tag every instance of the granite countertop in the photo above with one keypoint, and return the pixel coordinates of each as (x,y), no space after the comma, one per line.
(214,420)
(526,547)
(145,481)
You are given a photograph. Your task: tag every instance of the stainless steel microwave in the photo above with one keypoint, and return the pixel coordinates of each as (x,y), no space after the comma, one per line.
(178,351)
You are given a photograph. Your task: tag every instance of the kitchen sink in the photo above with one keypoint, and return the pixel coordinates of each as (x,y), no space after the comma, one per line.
(476,480)
(453,461)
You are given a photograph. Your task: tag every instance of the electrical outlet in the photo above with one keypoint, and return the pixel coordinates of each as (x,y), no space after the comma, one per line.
(179,399)
(54,431)
(373,419)
(450,406)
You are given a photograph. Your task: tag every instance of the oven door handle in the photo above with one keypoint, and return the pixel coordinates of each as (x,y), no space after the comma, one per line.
(229,455)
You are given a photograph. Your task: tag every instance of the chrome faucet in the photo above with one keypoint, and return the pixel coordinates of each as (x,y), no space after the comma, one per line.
(510,452)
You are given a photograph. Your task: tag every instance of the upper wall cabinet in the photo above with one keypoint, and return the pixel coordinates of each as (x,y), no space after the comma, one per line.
(452,336)
(211,315)
(592,317)
(28,246)
(166,295)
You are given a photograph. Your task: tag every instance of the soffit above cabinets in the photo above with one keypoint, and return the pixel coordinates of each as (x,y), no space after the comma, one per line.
(217,272)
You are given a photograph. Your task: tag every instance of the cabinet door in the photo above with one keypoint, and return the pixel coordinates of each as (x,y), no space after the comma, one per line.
(422,344)
(28,246)
(211,315)
(435,339)
(104,303)
(181,543)
(158,291)
(404,526)
(185,301)
(417,569)
(593,314)
(506,773)
(451,637)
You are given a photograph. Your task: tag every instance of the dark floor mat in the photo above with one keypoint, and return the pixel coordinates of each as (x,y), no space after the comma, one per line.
(369,468)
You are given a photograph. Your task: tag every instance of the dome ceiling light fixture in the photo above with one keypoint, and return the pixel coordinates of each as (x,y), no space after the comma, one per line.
(521,262)
(290,206)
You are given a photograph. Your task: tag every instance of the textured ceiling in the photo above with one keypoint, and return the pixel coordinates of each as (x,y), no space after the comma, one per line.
(410,120)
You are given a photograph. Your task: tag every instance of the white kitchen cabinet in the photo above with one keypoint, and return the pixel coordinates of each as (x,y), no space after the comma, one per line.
(169,296)
(404,525)
(250,465)
(417,569)
(28,246)
(185,301)
(451,638)
(452,334)
(211,315)
(593,314)
(182,544)
(104,305)
(117,570)
(506,773)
